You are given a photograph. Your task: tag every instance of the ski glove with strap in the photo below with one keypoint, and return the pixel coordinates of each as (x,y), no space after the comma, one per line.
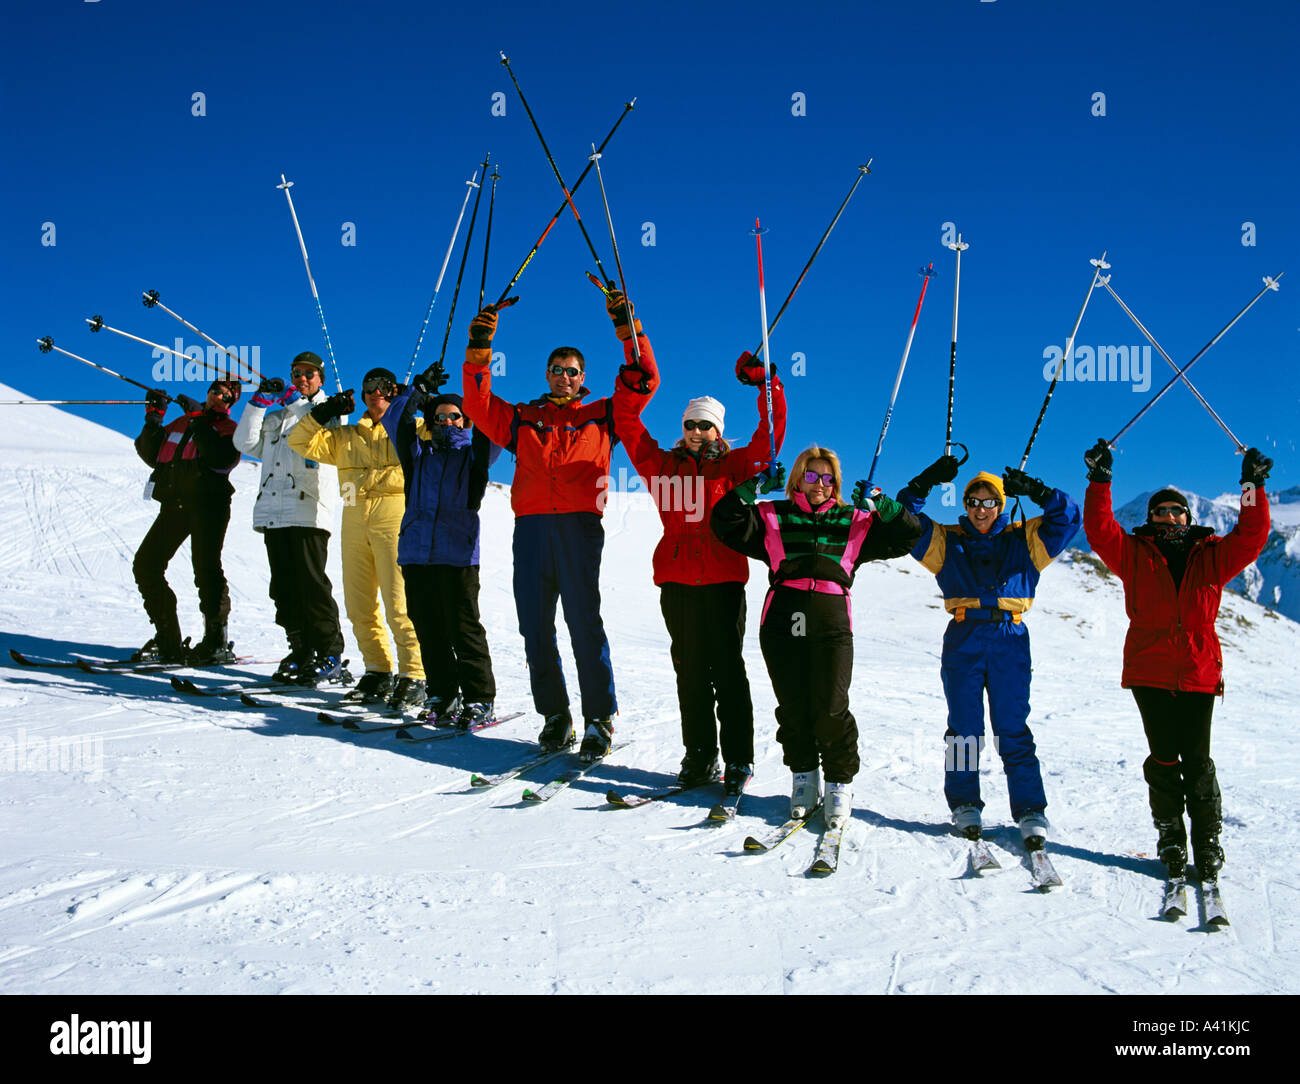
(155,406)
(1098,460)
(1016,483)
(336,406)
(883,506)
(749,370)
(764,482)
(484,325)
(943,469)
(269,392)
(618,308)
(634,378)
(1255,467)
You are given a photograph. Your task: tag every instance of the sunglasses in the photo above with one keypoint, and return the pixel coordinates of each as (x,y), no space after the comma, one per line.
(226,397)
(692,424)
(448,418)
(811,477)
(380,384)
(564,370)
(1169,510)
(982,502)
(299,373)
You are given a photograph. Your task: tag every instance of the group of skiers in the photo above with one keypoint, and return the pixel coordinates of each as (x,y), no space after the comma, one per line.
(412,471)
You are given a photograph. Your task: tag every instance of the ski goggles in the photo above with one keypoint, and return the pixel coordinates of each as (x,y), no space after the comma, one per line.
(564,370)
(812,477)
(380,384)
(448,418)
(702,424)
(1169,510)
(982,502)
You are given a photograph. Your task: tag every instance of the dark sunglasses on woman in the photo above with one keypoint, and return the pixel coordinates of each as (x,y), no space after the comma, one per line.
(692,424)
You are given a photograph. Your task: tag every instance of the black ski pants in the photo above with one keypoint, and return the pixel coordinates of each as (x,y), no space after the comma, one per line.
(301,588)
(807,643)
(1179,771)
(442,602)
(205,526)
(706,627)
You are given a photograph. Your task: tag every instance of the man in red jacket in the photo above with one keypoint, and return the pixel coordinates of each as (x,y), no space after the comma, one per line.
(1173,574)
(562,443)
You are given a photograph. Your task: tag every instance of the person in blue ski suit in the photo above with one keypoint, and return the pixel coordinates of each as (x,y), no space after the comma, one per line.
(445,473)
(988,570)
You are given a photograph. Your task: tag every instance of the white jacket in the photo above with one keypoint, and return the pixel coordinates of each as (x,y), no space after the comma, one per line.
(295,492)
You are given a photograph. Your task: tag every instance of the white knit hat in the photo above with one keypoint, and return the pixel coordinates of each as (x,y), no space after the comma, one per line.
(706,408)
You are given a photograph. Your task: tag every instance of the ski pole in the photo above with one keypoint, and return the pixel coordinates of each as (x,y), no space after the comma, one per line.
(470,185)
(925,273)
(286,185)
(758,232)
(487,240)
(464,255)
(1270,283)
(1098,267)
(47,344)
(151,299)
(627,108)
(1241,448)
(958,247)
(568,196)
(97,324)
(74,402)
(862,172)
(618,263)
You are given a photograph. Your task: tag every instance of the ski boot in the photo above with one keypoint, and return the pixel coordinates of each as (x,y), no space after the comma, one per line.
(805,793)
(596,740)
(699,766)
(967,821)
(839,804)
(214,649)
(408,693)
(323,668)
(1033,829)
(292,665)
(557,732)
(1209,857)
(475,714)
(1171,846)
(736,779)
(375,687)
(441,711)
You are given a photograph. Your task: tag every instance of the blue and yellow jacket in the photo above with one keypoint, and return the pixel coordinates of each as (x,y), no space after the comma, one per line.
(998,570)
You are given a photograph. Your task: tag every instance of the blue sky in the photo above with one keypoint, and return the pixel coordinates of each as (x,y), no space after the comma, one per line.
(983,115)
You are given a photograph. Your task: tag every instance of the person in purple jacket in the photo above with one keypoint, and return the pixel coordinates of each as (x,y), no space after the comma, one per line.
(445,465)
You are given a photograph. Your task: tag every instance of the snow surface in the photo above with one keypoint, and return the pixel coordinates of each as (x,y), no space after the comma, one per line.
(194,846)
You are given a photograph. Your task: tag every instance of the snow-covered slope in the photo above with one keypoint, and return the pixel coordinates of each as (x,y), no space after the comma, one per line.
(202,847)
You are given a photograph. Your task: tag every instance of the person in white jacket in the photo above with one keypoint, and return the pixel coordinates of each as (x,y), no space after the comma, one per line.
(297,507)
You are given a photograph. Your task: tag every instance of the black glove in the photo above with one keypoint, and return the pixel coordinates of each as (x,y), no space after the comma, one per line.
(1016,483)
(943,469)
(335,406)
(749,370)
(155,406)
(190,406)
(268,392)
(634,378)
(1098,460)
(1255,467)
(433,378)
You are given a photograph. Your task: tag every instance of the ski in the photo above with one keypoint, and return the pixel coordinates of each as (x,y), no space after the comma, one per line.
(780,834)
(1173,903)
(635,801)
(725,811)
(484,781)
(566,779)
(1215,913)
(382,719)
(428,732)
(827,858)
(126,666)
(44,664)
(1044,874)
(270,685)
(981,858)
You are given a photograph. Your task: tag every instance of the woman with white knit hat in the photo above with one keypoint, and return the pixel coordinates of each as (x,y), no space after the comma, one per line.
(701,581)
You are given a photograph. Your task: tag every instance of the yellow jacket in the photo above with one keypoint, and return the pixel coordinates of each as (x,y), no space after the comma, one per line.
(367,462)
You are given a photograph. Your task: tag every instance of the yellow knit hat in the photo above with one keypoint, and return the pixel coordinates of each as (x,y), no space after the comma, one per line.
(992,481)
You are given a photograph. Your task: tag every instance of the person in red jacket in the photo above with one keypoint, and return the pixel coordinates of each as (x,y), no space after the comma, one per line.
(1173,573)
(701,581)
(562,443)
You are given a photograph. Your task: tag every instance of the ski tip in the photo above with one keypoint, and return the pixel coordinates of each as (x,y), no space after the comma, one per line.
(753,845)
(614,798)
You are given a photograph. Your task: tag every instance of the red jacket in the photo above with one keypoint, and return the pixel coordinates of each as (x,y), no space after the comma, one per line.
(1171,641)
(686,489)
(561,451)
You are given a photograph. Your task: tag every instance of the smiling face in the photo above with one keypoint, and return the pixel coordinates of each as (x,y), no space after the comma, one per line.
(306,379)
(564,375)
(982,518)
(698,434)
(817,492)
(449,414)
(1169,514)
(376,403)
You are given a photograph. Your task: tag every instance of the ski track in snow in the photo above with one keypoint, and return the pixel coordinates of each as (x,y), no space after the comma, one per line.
(208,847)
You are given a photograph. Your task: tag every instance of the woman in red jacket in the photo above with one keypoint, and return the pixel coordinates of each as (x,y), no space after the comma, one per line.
(701,581)
(1173,574)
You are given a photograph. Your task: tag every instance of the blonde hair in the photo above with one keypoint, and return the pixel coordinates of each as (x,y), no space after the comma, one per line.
(801,464)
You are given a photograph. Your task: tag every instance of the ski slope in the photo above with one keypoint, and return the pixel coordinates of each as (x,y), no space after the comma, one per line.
(201,847)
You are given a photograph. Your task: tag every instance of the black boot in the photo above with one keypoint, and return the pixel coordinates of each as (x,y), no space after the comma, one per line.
(557,732)
(214,649)
(1171,846)
(292,665)
(699,766)
(166,645)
